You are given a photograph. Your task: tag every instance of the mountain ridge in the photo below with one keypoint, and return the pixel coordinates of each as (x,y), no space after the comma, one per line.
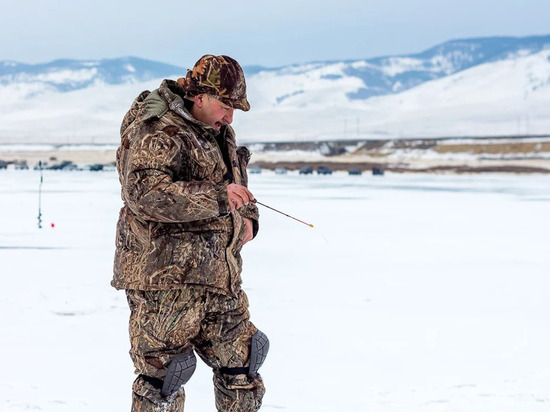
(380,75)
(493,86)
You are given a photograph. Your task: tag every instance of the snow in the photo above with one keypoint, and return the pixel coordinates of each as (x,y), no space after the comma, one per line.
(398,65)
(412,292)
(64,76)
(290,90)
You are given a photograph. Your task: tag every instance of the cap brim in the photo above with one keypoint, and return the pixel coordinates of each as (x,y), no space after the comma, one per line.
(237,104)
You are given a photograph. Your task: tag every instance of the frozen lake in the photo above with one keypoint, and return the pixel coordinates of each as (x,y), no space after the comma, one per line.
(411,293)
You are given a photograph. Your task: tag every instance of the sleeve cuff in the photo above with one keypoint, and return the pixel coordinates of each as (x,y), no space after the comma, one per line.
(223,200)
(251,212)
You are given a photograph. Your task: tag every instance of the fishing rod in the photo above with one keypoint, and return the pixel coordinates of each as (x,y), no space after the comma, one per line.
(282,213)
(40,196)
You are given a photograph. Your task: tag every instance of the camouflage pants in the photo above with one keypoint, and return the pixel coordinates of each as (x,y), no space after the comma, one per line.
(164,324)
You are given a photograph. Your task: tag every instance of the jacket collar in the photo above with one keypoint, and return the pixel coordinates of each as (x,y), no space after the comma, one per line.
(169,91)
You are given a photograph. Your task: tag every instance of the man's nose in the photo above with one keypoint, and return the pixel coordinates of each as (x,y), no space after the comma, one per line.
(229,116)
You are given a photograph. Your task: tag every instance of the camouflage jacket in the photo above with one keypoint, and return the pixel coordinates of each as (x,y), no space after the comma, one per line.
(175,227)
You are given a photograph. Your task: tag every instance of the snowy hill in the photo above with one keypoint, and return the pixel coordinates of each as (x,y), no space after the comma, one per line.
(476,87)
(70,75)
(394,74)
(506,97)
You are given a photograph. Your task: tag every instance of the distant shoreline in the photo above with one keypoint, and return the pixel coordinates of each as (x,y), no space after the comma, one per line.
(520,154)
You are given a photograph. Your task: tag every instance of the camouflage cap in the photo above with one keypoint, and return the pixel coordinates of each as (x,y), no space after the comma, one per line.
(219,76)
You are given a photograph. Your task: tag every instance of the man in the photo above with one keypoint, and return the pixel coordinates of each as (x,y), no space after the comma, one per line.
(187,213)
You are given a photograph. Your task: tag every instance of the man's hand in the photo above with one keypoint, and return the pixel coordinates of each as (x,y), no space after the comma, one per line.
(238,196)
(248,230)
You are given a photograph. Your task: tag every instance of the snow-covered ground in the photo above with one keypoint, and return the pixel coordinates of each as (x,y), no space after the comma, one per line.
(411,293)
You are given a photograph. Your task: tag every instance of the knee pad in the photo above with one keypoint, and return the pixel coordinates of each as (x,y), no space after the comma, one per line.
(258,352)
(259,346)
(179,372)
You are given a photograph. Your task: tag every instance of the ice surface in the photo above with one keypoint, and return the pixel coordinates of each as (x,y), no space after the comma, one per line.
(412,293)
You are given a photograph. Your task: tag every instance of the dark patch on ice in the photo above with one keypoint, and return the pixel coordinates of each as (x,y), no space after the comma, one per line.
(437,401)
(64,313)
(465,386)
(71,313)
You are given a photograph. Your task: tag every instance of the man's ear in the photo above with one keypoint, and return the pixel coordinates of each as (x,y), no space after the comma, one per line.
(198,99)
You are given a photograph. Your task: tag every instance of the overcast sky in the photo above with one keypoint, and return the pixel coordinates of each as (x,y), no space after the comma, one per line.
(263,32)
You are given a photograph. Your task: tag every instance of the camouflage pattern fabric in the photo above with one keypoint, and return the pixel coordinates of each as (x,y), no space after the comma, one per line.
(164,324)
(175,228)
(178,250)
(219,76)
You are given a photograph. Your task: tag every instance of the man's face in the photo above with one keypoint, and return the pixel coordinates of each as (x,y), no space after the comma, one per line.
(211,111)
